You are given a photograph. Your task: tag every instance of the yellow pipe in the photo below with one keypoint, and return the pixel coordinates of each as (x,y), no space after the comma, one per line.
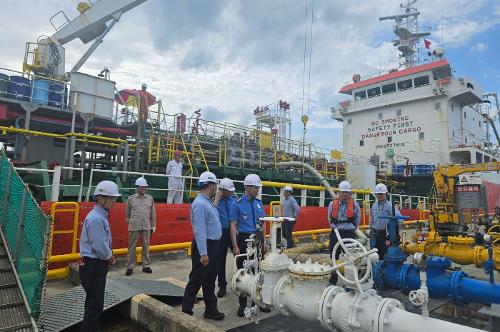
(305,186)
(123,251)
(104,138)
(29,132)
(458,249)
(55,274)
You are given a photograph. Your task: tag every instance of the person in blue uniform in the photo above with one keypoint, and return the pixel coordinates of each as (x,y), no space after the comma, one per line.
(97,255)
(244,219)
(224,200)
(344,214)
(205,249)
(381,209)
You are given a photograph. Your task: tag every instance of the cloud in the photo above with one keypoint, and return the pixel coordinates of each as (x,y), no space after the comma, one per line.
(479,47)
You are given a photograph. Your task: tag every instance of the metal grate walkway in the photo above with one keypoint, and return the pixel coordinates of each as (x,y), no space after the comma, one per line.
(14,311)
(66,309)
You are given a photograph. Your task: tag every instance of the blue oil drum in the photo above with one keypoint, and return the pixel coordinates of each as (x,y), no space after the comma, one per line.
(57,93)
(19,88)
(4,82)
(40,95)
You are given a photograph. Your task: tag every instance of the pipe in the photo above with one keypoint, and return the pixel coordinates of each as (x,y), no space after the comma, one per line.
(123,251)
(458,249)
(440,283)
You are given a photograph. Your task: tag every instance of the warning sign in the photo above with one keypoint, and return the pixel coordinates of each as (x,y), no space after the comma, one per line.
(470,179)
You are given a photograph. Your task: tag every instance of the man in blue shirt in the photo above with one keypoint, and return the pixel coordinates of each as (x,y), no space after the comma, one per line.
(244,220)
(344,214)
(205,249)
(290,209)
(378,224)
(97,255)
(224,200)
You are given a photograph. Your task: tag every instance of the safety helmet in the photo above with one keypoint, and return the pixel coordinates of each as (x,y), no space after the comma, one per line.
(144,86)
(345,186)
(227,184)
(252,180)
(177,153)
(288,188)
(206,178)
(380,188)
(141,182)
(107,188)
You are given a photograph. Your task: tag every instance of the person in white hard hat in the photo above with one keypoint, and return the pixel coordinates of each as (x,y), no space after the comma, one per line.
(205,249)
(224,200)
(344,214)
(380,210)
(96,252)
(289,209)
(140,216)
(244,221)
(174,168)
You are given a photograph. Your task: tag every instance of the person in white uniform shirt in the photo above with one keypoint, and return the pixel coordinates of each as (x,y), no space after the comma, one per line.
(174,168)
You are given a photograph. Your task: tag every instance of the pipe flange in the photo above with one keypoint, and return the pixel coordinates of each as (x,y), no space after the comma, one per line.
(385,307)
(275,262)
(310,270)
(378,275)
(279,291)
(256,293)
(439,262)
(237,277)
(325,306)
(455,280)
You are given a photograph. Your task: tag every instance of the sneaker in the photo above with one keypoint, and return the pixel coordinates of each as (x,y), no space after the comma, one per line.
(147,270)
(241,311)
(129,272)
(188,312)
(222,292)
(214,314)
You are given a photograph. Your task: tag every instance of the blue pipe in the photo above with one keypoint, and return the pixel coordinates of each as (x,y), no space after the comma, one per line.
(440,283)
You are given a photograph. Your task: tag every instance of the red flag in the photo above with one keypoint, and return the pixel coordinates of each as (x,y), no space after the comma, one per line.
(427,43)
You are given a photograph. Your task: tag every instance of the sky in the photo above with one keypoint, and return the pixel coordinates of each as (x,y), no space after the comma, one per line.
(229,56)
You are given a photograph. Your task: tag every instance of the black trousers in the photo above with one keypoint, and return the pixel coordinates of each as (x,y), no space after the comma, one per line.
(202,277)
(380,238)
(93,274)
(225,243)
(242,245)
(344,234)
(286,230)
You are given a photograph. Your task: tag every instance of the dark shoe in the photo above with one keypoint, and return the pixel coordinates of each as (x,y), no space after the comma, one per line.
(188,312)
(241,311)
(214,314)
(265,309)
(221,292)
(333,279)
(147,270)
(129,272)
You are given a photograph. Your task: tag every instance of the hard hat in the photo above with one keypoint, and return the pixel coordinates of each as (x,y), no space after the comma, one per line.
(107,188)
(252,180)
(141,182)
(205,178)
(380,188)
(227,184)
(288,188)
(177,153)
(144,86)
(345,186)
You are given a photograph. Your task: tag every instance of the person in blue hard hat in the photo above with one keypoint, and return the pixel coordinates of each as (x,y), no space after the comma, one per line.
(380,210)
(97,255)
(244,220)
(290,209)
(205,249)
(224,200)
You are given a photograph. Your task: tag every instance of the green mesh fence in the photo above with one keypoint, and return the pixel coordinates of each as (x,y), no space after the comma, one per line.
(27,231)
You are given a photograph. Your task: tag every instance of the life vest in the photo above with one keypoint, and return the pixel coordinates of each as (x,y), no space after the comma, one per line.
(349,212)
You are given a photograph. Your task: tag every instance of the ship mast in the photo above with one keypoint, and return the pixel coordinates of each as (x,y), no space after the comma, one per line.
(406,29)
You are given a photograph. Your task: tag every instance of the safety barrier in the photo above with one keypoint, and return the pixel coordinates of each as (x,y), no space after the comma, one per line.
(27,231)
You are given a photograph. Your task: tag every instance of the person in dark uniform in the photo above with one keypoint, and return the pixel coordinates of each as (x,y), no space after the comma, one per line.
(97,255)
(344,214)
(224,200)
(205,249)
(244,218)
